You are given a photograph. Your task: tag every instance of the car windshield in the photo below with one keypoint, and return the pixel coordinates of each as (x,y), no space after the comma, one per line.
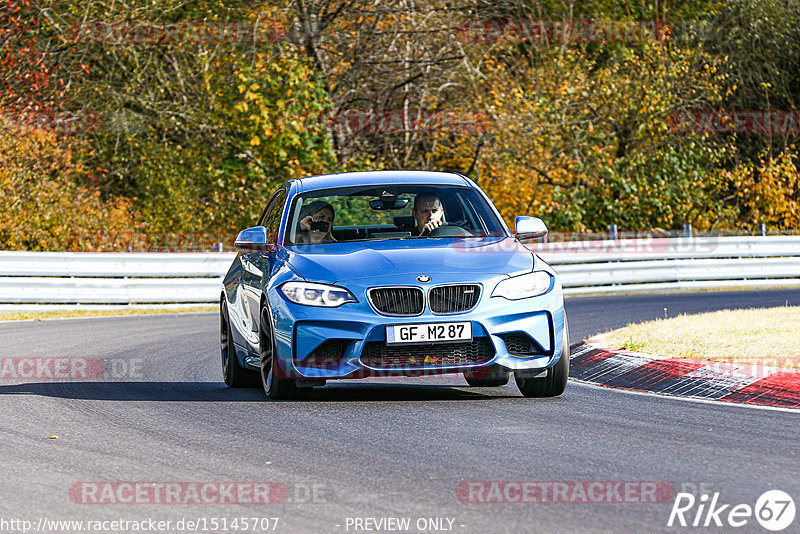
(390,212)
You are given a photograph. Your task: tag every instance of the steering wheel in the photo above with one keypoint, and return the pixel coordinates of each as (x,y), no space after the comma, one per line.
(449,230)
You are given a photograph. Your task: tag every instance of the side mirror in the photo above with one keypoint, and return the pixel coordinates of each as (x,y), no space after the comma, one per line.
(529,228)
(252,239)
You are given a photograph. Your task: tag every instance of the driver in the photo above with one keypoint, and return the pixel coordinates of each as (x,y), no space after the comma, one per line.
(428,212)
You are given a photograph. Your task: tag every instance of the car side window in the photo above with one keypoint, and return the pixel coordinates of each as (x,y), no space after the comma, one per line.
(272,221)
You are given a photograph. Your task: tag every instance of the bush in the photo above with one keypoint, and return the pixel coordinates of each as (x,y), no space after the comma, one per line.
(43,207)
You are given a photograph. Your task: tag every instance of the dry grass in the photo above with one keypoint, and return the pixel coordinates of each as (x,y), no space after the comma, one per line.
(769,336)
(60,314)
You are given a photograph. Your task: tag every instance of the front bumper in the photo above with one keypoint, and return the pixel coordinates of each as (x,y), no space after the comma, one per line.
(330,343)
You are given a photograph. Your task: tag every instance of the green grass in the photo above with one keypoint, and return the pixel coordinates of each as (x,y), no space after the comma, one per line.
(60,314)
(767,336)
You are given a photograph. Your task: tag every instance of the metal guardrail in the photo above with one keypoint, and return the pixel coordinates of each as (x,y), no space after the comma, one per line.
(115,264)
(111,277)
(584,266)
(667,249)
(674,263)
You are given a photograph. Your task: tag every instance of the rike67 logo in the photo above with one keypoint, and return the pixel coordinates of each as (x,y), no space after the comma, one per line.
(774,510)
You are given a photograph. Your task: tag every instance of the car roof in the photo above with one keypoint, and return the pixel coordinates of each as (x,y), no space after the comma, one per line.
(367,178)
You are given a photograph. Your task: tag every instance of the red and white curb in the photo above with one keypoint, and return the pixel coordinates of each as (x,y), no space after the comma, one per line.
(594,361)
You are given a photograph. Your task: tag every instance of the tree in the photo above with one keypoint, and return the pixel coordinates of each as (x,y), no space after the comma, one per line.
(43,206)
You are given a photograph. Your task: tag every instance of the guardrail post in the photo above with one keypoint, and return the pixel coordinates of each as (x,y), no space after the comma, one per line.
(687,230)
(762,229)
(613,233)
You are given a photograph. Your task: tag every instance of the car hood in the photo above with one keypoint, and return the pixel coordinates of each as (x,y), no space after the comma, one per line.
(336,262)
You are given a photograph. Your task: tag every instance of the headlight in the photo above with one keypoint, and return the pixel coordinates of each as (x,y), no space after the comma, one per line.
(310,294)
(522,287)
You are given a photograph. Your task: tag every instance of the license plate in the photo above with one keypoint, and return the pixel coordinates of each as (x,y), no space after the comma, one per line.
(428,332)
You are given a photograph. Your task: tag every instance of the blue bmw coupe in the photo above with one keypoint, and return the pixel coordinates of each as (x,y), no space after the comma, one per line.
(390,273)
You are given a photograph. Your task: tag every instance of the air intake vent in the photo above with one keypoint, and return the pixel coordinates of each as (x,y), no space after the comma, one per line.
(379,355)
(520,344)
(398,301)
(454,299)
(329,354)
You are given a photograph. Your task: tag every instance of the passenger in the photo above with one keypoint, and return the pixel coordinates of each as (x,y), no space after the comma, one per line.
(316,221)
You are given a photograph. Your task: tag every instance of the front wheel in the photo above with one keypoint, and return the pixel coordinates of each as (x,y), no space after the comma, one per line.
(276,388)
(555,382)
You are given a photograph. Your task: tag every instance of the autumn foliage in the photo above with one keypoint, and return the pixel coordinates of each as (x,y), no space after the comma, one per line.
(111,138)
(44,208)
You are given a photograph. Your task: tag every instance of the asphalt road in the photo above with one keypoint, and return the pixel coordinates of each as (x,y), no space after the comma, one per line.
(367,449)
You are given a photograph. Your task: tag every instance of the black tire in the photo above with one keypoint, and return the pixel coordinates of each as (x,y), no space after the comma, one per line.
(275,388)
(235,375)
(492,379)
(555,382)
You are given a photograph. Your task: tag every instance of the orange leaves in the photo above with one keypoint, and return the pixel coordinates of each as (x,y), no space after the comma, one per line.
(767,192)
(45,208)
